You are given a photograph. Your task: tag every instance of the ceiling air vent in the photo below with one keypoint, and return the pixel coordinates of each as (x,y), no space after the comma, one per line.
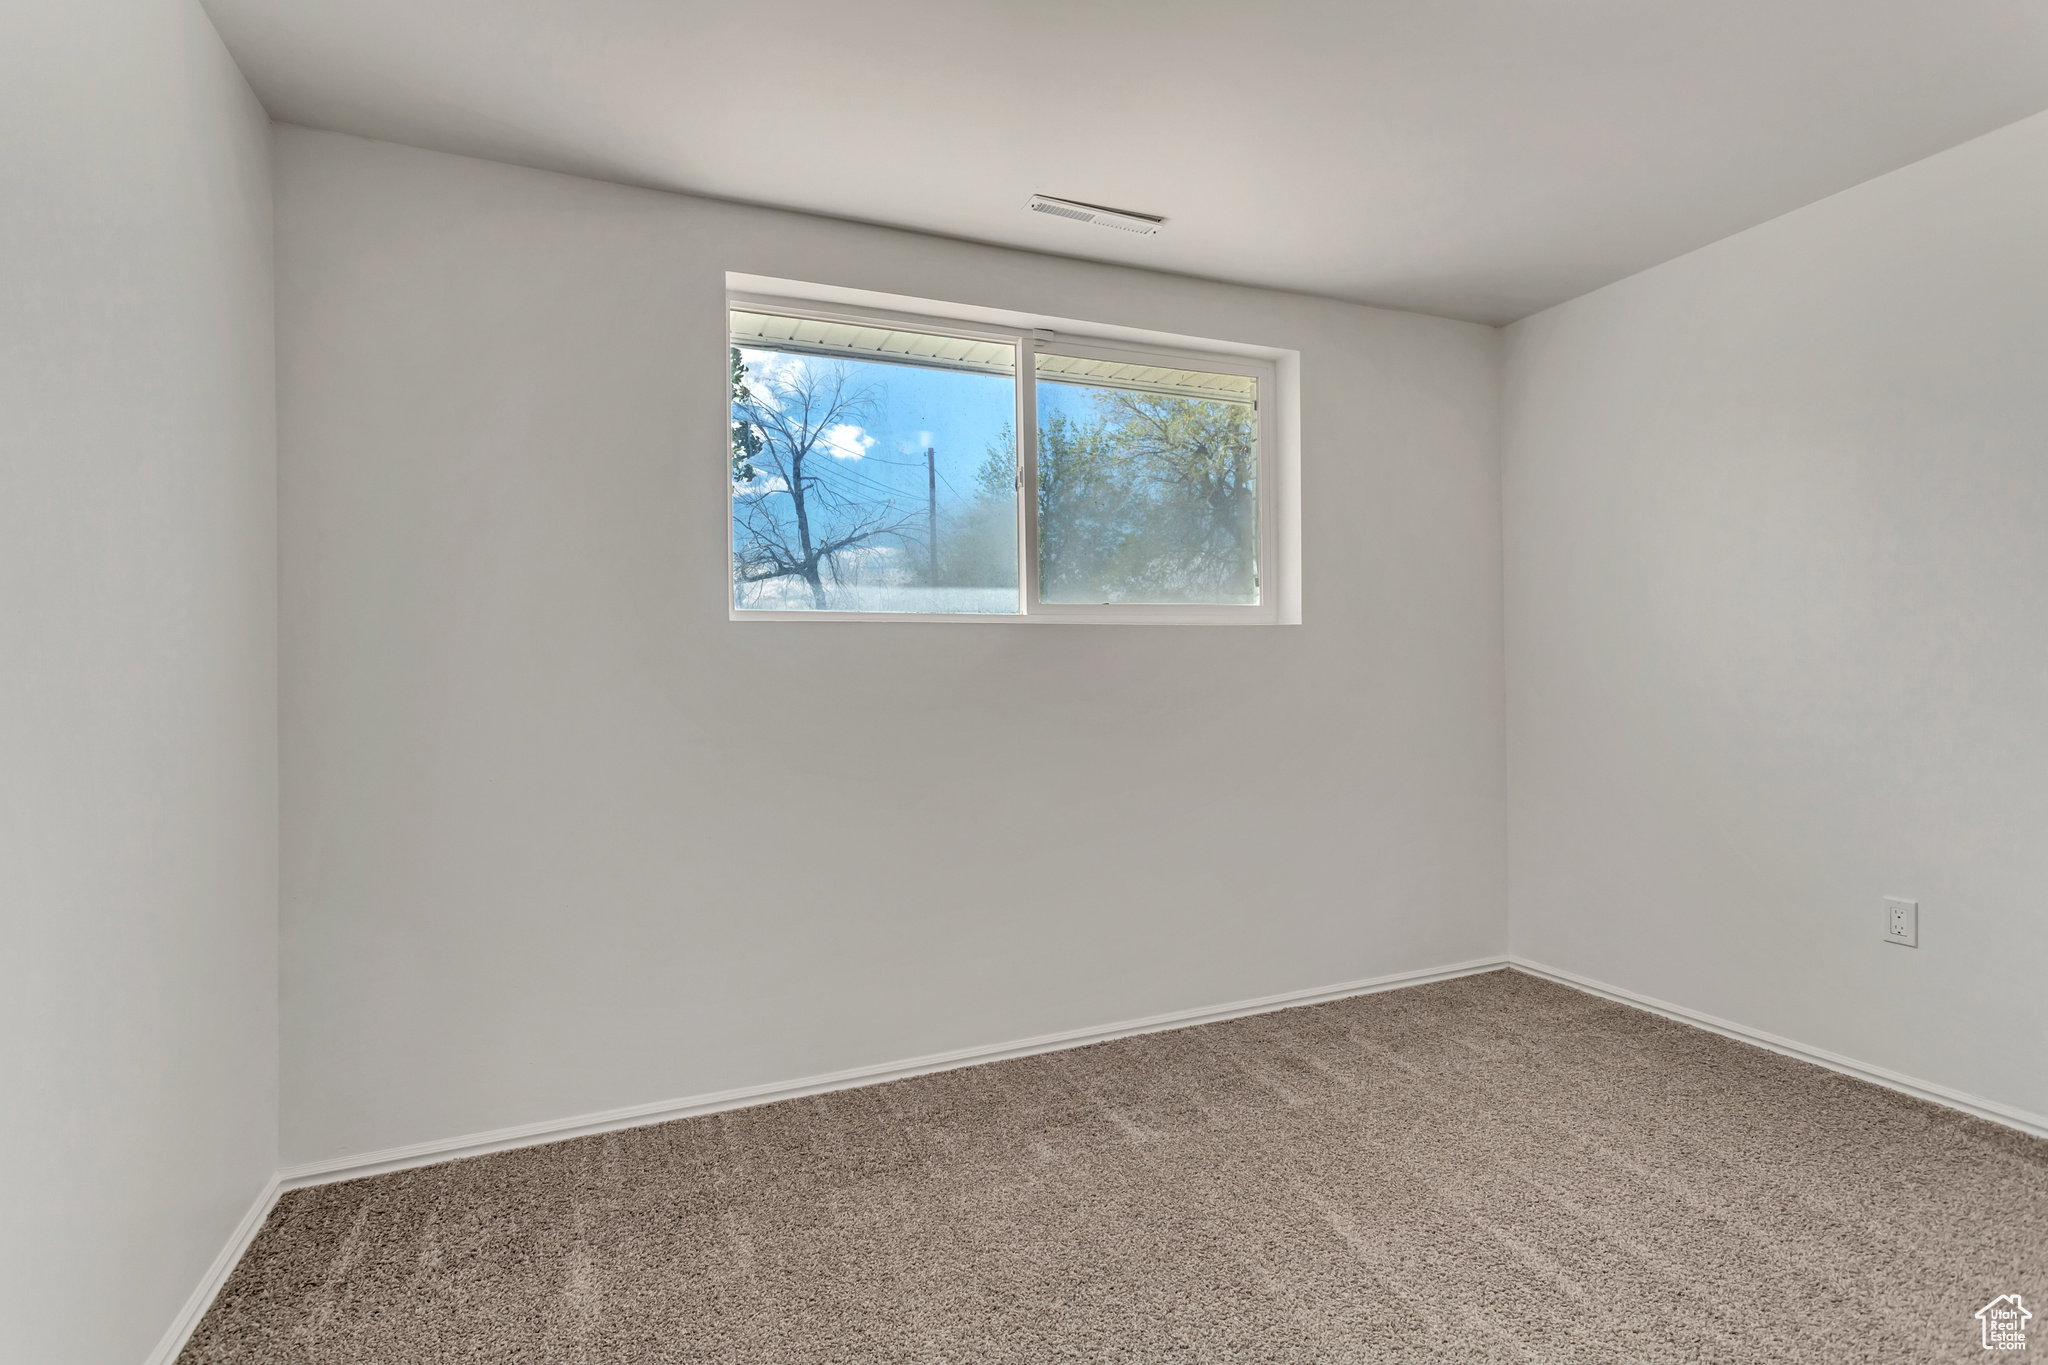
(1144,224)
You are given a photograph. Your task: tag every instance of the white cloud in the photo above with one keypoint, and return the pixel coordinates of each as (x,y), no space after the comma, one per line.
(765,367)
(915,446)
(845,441)
(763,485)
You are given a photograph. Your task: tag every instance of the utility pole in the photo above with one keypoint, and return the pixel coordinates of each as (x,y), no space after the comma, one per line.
(931,513)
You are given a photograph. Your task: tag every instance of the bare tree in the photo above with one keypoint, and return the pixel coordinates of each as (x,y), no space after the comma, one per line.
(802,505)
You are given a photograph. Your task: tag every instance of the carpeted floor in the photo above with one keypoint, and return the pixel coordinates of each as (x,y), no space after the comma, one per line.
(1488,1169)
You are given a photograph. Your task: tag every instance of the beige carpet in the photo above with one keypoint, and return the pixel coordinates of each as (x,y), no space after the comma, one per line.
(1488,1169)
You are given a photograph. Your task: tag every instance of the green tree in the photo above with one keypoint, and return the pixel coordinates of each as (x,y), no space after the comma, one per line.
(1150,498)
(746,441)
(1081,503)
(1086,513)
(1191,465)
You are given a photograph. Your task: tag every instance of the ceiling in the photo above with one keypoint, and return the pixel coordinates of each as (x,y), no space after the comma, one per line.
(1478,159)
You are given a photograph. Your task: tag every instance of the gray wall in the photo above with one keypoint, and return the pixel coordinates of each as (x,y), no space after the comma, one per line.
(138,657)
(560,837)
(1777,567)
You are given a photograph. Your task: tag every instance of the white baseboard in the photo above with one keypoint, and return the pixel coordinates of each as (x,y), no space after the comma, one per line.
(555,1130)
(182,1326)
(2036,1124)
(534,1134)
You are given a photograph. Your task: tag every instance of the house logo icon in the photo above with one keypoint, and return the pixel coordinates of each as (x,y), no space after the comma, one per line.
(2005,1323)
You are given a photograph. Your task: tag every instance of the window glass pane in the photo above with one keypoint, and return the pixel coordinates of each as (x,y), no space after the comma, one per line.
(1147,484)
(872,469)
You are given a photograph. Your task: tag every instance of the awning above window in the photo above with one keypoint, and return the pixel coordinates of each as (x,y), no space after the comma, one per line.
(808,336)
(1117,374)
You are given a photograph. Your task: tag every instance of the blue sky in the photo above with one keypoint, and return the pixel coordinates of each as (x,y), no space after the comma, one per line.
(958,415)
(1074,400)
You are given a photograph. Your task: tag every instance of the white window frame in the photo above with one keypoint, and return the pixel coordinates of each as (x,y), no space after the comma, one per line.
(1028,341)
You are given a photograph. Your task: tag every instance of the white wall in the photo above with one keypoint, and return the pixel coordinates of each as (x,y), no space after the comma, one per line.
(1777,567)
(138,723)
(560,837)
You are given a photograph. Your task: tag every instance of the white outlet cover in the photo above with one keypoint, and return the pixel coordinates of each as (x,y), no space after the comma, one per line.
(1902,922)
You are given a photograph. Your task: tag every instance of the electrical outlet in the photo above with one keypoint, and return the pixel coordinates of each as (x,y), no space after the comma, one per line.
(1902,922)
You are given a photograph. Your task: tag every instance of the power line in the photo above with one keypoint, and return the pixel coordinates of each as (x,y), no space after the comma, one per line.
(843,472)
